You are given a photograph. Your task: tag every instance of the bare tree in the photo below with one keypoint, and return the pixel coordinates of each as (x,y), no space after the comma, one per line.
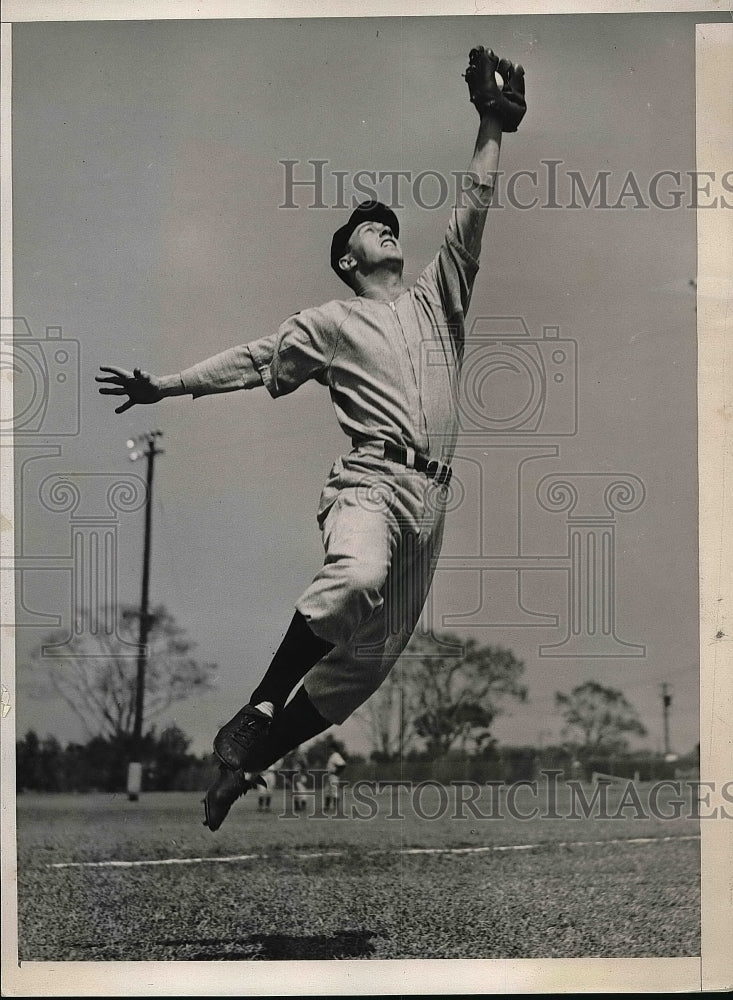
(387,717)
(96,675)
(597,717)
(440,700)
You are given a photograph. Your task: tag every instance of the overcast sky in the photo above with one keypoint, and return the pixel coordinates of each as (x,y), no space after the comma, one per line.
(147,224)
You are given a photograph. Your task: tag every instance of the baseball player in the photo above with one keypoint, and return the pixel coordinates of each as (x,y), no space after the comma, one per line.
(335,767)
(269,778)
(390,357)
(300,789)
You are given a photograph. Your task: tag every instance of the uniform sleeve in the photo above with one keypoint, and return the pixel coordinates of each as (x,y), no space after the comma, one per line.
(231,369)
(302,349)
(450,275)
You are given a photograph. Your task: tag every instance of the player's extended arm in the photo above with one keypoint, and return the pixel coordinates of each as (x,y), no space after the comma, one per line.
(501,109)
(226,372)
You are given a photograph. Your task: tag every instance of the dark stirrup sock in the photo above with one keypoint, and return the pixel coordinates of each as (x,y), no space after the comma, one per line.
(299,721)
(300,649)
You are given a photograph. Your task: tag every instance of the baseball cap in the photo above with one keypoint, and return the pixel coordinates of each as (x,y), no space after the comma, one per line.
(368,211)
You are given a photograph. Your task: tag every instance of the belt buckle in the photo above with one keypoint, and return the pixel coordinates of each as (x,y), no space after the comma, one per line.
(439,472)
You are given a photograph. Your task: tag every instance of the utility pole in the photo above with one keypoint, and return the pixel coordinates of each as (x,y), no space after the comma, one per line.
(666,704)
(142,447)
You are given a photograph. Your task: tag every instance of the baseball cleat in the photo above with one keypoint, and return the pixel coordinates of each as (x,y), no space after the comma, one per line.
(235,741)
(221,795)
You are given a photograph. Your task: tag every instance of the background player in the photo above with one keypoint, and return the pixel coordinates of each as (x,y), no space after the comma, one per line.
(269,776)
(300,789)
(335,767)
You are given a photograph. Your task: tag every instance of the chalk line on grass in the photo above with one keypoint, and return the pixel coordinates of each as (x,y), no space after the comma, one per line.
(496,848)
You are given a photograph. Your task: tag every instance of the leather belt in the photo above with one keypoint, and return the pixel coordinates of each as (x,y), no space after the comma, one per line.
(433,469)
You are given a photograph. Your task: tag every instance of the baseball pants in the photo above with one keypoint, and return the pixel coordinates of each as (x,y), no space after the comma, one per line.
(382,528)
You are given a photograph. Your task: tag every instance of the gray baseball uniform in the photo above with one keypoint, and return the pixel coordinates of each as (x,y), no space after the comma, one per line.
(392,369)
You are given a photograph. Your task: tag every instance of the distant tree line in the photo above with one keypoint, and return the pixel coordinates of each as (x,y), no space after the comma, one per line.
(433,715)
(525,763)
(100,765)
(43,765)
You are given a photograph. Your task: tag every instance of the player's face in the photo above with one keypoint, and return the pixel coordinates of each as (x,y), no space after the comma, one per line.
(374,243)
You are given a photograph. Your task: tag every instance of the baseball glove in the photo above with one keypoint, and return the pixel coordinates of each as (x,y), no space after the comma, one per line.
(508,103)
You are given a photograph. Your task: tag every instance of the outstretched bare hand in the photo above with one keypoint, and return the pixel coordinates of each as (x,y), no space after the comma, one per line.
(139,386)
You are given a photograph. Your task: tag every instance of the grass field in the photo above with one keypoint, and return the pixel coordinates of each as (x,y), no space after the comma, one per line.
(146,881)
